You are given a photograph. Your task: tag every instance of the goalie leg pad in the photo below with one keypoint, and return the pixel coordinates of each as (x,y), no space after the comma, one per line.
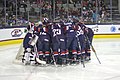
(26,58)
(32,58)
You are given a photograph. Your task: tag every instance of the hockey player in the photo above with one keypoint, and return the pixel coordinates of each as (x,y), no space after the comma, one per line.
(43,44)
(71,41)
(58,43)
(89,37)
(28,57)
(87,40)
(81,39)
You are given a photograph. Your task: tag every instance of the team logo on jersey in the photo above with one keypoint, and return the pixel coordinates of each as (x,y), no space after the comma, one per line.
(113,29)
(16,33)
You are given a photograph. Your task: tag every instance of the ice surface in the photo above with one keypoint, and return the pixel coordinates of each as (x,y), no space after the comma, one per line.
(108,51)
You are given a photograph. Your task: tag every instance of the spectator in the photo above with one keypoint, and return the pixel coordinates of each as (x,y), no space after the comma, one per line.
(94,16)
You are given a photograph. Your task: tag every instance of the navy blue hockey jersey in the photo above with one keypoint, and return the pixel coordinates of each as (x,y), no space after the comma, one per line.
(26,40)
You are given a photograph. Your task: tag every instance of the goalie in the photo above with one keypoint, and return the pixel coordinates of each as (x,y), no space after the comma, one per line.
(28,57)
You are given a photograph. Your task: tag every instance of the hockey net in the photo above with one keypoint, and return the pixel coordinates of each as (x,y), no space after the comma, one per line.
(19,56)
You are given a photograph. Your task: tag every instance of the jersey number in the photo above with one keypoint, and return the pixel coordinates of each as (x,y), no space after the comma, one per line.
(80,32)
(56,32)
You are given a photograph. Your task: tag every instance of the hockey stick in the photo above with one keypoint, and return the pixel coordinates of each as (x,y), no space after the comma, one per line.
(93,49)
(54,61)
(37,57)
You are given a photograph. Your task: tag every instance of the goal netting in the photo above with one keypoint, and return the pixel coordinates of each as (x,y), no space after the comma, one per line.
(19,56)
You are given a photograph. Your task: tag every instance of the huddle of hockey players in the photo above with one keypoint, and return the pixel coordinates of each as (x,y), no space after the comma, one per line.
(61,43)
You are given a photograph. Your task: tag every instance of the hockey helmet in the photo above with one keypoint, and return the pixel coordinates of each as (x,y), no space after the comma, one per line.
(45,20)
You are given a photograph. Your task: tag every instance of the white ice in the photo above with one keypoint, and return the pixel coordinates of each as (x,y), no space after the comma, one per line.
(108,51)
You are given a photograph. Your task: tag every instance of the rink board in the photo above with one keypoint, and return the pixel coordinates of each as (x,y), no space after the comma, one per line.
(8,42)
(17,41)
(107,36)
(14,35)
